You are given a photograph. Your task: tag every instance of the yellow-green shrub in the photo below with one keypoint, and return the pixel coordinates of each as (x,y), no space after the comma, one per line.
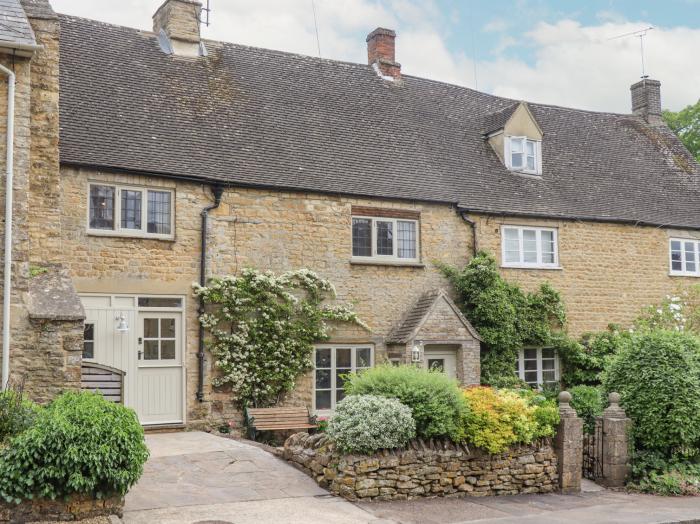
(498,419)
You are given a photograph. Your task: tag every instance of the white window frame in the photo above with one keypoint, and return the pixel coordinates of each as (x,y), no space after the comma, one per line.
(683,272)
(530,265)
(537,149)
(333,368)
(520,372)
(94,340)
(394,257)
(125,232)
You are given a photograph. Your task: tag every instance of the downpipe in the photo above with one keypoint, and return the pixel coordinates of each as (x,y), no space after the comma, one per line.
(217,192)
(472,224)
(9,186)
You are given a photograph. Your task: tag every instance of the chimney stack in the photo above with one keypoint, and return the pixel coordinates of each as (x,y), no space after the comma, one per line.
(177,23)
(646,100)
(381,53)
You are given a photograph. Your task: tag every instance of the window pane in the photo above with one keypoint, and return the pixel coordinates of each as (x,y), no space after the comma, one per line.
(361,237)
(131,209)
(89,341)
(323,358)
(323,378)
(385,238)
(167,328)
(531,377)
(516,160)
(511,234)
(363,357)
(530,365)
(159,212)
(547,363)
(339,395)
(530,163)
(150,349)
(530,246)
(167,349)
(150,328)
(101,207)
(530,148)
(323,400)
(339,380)
(548,353)
(343,357)
(676,256)
(516,145)
(406,238)
(530,353)
(548,376)
(159,302)
(690,256)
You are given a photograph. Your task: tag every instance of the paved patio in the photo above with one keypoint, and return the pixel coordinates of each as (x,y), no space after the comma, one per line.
(200,478)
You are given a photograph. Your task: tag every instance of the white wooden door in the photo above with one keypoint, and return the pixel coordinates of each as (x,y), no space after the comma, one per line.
(159,368)
(444,360)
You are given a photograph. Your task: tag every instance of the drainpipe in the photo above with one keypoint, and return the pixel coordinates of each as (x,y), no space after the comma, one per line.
(475,244)
(7,275)
(217,191)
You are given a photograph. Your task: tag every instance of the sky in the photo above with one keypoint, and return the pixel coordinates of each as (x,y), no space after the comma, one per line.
(561,52)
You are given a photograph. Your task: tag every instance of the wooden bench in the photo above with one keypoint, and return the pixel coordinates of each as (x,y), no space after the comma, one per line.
(104,379)
(277,419)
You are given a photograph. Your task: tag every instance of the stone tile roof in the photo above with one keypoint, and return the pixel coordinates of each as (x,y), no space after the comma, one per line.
(39,9)
(14,26)
(409,325)
(262,118)
(498,119)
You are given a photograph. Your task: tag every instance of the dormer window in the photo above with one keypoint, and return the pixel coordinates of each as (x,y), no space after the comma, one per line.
(523,155)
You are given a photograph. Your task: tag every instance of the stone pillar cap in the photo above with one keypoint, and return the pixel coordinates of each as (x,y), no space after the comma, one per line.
(614,410)
(565,410)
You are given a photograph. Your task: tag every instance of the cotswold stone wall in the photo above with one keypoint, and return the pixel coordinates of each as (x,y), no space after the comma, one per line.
(424,469)
(77,507)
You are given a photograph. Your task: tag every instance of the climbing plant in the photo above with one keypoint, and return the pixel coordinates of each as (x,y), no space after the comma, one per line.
(262,328)
(506,317)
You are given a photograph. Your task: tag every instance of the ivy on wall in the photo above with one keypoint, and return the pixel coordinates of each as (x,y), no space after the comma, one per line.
(506,317)
(262,328)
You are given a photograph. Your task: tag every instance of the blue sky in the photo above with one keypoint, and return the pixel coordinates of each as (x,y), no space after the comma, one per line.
(551,51)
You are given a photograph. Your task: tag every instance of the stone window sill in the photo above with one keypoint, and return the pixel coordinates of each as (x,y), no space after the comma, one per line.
(390,263)
(125,235)
(539,268)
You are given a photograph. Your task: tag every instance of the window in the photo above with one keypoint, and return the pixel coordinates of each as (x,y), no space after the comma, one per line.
(332,363)
(538,366)
(130,211)
(159,339)
(89,340)
(385,239)
(523,154)
(529,247)
(685,257)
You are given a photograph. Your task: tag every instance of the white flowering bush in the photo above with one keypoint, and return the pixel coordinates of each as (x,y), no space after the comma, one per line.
(366,423)
(262,328)
(678,312)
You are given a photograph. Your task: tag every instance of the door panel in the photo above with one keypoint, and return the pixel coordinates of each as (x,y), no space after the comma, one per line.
(444,360)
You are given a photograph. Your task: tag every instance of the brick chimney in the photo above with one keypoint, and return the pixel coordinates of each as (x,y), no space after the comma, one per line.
(179,21)
(646,100)
(381,52)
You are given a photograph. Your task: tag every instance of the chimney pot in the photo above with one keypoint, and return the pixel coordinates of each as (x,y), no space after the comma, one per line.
(646,100)
(381,51)
(179,20)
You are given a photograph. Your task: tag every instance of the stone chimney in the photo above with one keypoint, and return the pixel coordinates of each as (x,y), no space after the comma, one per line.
(646,100)
(381,53)
(177,22)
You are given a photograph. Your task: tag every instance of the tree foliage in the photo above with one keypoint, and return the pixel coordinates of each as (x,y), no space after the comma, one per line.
(686,124)
(506,317)
(262,328)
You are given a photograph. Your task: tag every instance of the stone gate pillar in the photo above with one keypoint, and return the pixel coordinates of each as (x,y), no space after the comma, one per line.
(615,458)
(569,446)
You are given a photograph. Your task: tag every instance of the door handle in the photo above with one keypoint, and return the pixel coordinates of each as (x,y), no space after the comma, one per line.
(140,353)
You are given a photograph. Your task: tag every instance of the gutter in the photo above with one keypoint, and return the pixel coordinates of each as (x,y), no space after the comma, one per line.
(24,50)
(9,188)
(218,191)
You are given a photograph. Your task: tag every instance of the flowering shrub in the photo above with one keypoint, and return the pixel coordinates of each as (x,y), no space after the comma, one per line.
(677,312)
(500,418)
(366,423)
(262,329)
(436,402)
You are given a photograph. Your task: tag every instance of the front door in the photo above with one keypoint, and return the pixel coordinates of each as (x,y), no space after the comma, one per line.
(159,368)
(441,359)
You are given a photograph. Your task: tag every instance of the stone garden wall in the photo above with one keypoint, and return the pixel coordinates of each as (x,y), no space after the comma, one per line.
(78,507)
(424,469)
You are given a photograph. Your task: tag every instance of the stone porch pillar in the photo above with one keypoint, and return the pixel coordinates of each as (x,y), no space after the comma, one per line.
(569,446)
(615,459)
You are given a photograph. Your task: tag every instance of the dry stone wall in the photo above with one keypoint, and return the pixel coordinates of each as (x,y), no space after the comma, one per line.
(75,508)
(424,469)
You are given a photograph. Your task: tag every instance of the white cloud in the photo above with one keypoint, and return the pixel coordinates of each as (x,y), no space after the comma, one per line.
(573,64)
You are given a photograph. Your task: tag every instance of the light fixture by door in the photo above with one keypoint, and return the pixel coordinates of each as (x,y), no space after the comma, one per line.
(417,352)
(122,326)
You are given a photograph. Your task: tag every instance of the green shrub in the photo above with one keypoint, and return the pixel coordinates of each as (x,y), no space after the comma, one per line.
(17,413)
(588,403)
(583,363)
(499,419)
(367,423)
(436,402)
(658,378)
(79,443)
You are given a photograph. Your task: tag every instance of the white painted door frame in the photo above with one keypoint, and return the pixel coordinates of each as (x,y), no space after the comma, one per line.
(121,350)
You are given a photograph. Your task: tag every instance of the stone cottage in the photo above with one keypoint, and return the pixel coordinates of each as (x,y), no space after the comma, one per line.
(145,161)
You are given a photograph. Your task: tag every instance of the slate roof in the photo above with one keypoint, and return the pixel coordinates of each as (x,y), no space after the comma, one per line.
(262,118)
(15,31)
(406,329)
